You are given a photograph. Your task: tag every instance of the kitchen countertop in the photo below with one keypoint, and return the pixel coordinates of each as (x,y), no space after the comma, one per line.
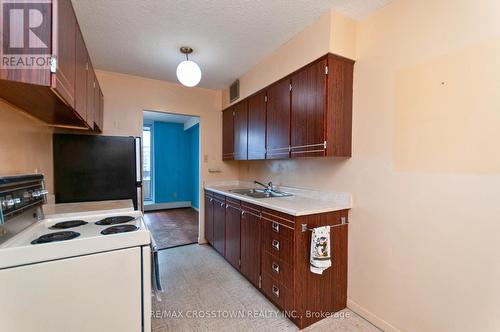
(303,202)
(69,210)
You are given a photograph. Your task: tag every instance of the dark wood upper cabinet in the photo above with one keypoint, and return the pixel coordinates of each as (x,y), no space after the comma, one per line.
(219,226)
(99,107)
(100,121)
(232,244)
(81,105)
(59,92)
(228,134)
(307,133)
(63,82)
(257,126)
(250,244)
(278,120)
(92,112)
(240,131)
(306,114)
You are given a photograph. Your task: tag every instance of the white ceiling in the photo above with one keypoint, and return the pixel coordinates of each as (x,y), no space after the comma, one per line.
(142,37)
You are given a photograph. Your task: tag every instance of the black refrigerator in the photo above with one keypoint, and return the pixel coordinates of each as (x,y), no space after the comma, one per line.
(97,168)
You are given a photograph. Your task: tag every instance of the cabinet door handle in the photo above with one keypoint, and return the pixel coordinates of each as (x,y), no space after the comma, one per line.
(221,204)
(276,227)
(276,268)
(276,291)
(211,200)
(242,213)
(276,245)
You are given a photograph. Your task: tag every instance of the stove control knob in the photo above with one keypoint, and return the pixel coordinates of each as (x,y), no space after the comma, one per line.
(9,202)
(39,193)
(26,195)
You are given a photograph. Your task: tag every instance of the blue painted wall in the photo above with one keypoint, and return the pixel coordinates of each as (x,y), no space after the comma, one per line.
(176,175)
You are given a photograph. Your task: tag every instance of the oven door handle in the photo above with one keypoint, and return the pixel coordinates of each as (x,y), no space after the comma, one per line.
(156,280)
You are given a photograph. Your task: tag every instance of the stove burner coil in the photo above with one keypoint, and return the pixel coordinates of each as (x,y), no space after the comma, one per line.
(114,220)
(119,229)
(56,237)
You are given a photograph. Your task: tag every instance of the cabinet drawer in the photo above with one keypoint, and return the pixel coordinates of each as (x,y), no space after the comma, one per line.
(277,216)
(277,228)
(278,293)
(219,196)
(278,246)
(280,270)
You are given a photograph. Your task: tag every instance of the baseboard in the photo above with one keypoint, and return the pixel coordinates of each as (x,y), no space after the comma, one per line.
(195,208)
(164,206)
(371,317)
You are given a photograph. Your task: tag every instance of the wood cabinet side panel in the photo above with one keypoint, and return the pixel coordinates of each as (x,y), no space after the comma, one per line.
(339,114)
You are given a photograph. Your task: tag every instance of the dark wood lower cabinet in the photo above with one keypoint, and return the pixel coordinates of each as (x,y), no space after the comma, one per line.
(250,243)
(209,218)
(219,225)
(271,251)
(233,213)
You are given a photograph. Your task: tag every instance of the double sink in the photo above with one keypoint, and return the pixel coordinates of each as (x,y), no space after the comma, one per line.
(260,193)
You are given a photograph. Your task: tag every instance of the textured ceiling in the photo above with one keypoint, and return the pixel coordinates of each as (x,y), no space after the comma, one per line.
(142,37)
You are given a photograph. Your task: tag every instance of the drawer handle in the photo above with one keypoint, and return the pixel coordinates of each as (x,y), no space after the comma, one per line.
(276,291)
(242,213)
(276,227)
(221,204)
(276,268)
(276,245)
(211,200)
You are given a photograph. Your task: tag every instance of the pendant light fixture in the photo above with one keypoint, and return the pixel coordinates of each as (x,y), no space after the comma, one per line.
(188,72)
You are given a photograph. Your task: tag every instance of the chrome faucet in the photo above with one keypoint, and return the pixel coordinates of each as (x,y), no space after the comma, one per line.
(268,187)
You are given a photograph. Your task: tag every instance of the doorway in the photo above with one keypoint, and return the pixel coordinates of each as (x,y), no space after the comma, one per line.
(171,176)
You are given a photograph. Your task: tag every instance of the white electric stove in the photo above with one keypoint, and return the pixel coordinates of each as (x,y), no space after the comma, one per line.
(87,273)
(45,241)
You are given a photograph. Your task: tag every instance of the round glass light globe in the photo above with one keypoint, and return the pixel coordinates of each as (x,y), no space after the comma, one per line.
(188,73)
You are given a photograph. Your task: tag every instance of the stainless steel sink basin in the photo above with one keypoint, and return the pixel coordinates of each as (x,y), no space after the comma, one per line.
(260,193)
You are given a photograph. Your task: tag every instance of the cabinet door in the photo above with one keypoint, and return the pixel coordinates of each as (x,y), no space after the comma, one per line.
(308,111)
(101,109)
(250,247)
(233,235)
(219,226)
(240,131)
(99,103)
(81,78)
(91,105)
(209,219)
(278,120)
(228,134)
(64,30)
(257,126)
